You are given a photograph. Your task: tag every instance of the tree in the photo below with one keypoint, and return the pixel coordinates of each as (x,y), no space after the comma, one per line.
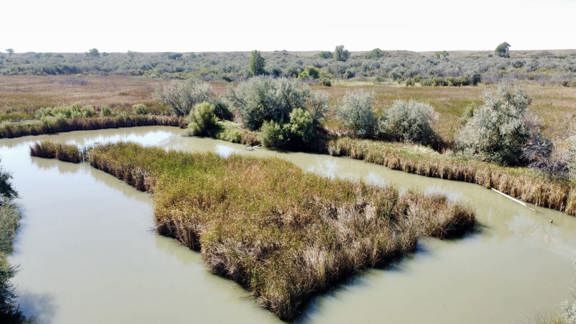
(9,51)
(93,52)
(182,96)
(257,64)
(355,112)
(500,129)
(503,50)
(341,54)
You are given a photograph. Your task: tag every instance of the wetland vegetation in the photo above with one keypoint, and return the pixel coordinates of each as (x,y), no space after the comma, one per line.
(283,251)
(447,115)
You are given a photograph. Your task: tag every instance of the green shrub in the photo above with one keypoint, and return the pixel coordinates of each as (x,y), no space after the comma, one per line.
(106,111)
(355,112)
(263,99)
(203,121)
(182,96)
(273,134)
(222,112)
(66,112)
(140,109)
(296,134)
(318,106)
(499,129)
(6,190)
(326,82)
(409,121)
(310,73)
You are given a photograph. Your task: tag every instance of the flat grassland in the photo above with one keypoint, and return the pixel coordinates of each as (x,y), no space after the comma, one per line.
(20,96)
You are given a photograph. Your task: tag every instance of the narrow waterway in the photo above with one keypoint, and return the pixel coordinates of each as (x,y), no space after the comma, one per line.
(87,252)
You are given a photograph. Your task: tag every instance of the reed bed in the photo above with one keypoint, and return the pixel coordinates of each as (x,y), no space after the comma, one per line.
(53,125)
(528,185)
(62,152)
(283,234)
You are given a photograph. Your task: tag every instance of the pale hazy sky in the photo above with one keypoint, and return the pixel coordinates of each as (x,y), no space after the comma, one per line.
(223,25)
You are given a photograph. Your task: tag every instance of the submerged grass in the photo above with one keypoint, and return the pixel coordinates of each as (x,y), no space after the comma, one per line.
(281,233)
(62,152)
(55,125)
(526,184)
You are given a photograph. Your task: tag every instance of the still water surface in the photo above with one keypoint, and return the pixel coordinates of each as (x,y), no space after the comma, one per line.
(87,251)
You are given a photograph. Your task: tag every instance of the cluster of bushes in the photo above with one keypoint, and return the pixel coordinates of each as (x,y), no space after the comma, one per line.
(79,111)
(407,121)
(298,133)
(9,219)
(340,64)
(285,110)
(66,112)
(450,81)
(282,250)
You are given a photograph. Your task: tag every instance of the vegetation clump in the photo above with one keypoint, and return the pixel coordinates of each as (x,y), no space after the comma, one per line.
(203,120)
(53,125)
(499,129)
(263,99)
(66,112)
(527,184)
(356,112)
(62,152)
(409,121)
(182,96)
(282,250)
(298,133)
(9,220)
(140,109)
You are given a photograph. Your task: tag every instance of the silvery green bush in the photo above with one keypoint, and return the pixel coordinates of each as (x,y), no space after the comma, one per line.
(500,128)
(182,96)
(409,121)
(355,111)
(263,99)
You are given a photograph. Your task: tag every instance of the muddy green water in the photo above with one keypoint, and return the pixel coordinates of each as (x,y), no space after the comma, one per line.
(87,251)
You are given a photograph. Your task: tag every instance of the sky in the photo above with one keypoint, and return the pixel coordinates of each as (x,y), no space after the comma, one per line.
(295,25)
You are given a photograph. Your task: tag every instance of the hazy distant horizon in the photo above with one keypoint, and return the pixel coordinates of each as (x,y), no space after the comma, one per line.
(68,26)
(302,51)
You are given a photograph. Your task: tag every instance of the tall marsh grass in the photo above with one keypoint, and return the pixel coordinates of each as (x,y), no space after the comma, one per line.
(62,152)
(526,184)
(283,234)
(58,125)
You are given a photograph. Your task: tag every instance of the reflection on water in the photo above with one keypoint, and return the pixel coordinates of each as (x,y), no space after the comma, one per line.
(86,249)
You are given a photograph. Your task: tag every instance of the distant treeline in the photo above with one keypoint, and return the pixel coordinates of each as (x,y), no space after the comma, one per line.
(426,68)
